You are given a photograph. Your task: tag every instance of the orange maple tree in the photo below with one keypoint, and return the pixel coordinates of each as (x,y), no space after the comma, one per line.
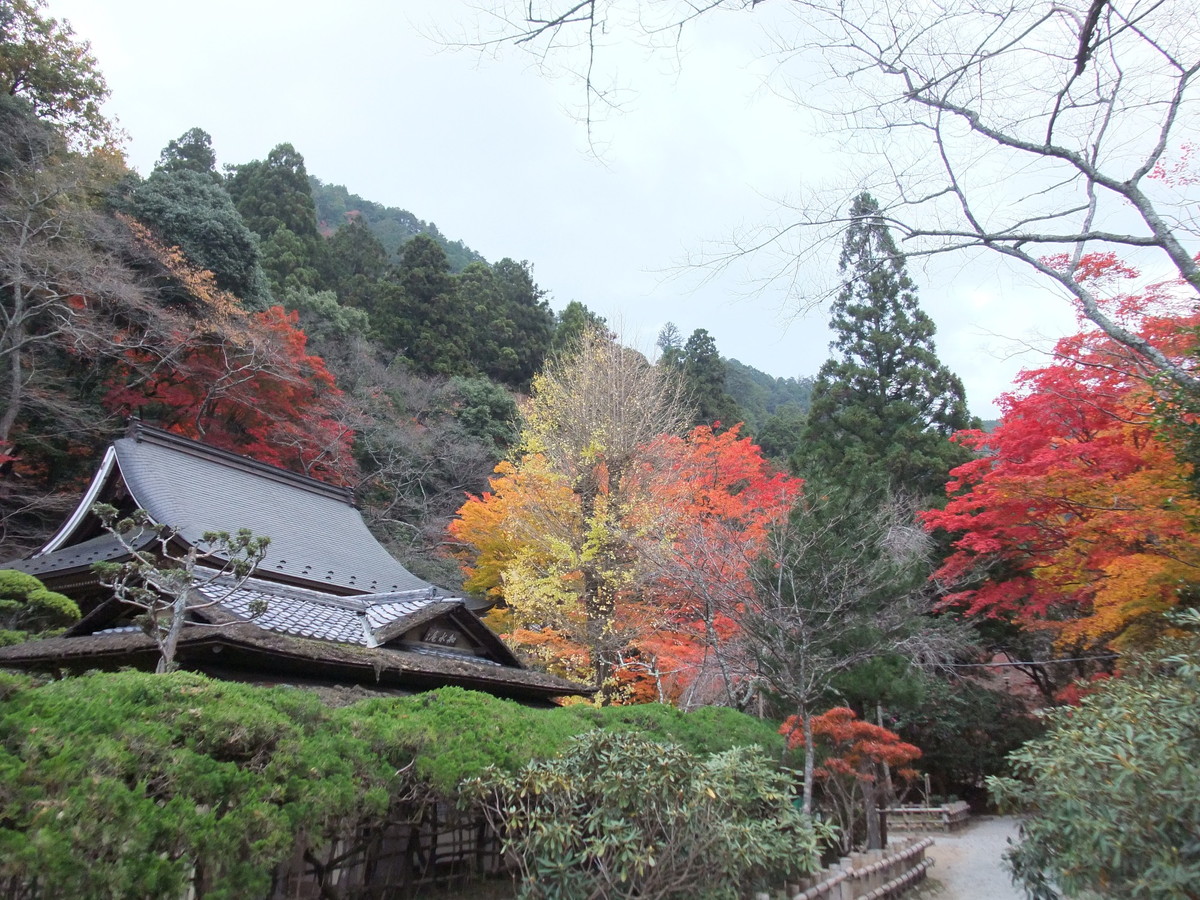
(515,539)
(691,513)
(853,754)
(1077,516)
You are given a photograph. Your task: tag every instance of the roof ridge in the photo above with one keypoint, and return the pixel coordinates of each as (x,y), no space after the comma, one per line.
(358,603)
(140,432)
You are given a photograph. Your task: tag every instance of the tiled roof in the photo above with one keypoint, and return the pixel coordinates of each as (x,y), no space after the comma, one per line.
(316,533)
(104,548)
(447,654)
(271,656)
(305,613)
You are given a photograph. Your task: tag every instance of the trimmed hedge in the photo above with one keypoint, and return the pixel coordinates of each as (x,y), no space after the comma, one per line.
(116,785)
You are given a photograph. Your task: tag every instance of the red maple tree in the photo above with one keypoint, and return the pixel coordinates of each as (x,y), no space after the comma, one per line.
(853,756)
(1077,516)
(254,390)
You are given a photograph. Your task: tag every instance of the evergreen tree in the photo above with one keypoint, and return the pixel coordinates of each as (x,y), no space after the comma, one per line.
(275,194)
(527,319)
(192,150)
(884,404)
(704,375)
(290,261)
(354,263)
(572,324)
(782,433)
(186,206)
(275,199)
(418,314)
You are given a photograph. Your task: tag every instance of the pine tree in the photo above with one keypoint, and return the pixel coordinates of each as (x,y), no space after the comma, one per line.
(884,404)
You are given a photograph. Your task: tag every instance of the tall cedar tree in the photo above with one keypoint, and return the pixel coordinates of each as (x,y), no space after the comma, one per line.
(885,403)
(275,201)
(416,314)
(704,374)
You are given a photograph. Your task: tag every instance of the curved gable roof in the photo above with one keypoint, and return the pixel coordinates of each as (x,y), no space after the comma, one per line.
(318,537)
(316,534)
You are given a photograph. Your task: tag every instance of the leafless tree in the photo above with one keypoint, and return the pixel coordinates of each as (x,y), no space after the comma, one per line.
(416,463)
(1041,131)
(68,305)
(599,405)
(47,260)
(841,583)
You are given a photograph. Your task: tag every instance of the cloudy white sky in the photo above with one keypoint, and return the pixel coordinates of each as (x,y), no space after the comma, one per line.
(489,151)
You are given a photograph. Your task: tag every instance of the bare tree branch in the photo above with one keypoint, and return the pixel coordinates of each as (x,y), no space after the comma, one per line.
(1026,129)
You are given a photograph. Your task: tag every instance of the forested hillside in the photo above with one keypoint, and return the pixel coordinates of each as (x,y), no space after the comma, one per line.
(258,308)
(851,554)
(392,227)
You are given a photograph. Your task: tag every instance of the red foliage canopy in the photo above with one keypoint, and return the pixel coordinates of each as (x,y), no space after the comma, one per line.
(256,391)
(851,745)
(1076,516)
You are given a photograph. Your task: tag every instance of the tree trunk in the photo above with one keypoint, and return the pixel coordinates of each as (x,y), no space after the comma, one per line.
(810,754)
(871,805)
(14,338)
(168,644)
(889,789)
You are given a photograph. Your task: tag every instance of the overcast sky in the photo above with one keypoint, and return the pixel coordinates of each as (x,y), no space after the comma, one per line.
(490,152)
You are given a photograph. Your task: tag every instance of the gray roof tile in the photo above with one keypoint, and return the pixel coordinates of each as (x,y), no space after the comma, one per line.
(105,548)
(307,613)
(316,533)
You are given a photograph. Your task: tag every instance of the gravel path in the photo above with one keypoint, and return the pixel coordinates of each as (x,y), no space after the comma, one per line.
(967,862)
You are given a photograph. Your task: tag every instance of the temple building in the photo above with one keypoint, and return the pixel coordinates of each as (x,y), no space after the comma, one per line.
(328,607)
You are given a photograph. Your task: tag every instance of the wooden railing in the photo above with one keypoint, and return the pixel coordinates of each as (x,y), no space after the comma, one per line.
(947,817)
(874,875)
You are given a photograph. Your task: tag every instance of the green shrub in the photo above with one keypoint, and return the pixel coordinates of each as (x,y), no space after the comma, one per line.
(119,785)
(455,734)
(709,729)
(622,815)
(116,785)
(28,608)
(1112,792)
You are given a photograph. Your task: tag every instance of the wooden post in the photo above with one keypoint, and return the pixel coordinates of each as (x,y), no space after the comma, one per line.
(845,890)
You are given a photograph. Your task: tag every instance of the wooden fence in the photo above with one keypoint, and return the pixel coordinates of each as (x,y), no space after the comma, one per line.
(438,847)
(947,817)
(874,875)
